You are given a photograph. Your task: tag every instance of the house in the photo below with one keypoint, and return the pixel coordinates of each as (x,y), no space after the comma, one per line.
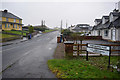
(95,30)
(10,21)
(115,29)
(108,27)
(81,28)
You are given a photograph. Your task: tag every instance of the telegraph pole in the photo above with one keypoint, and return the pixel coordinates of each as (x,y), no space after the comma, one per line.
(61,27)
(66,24)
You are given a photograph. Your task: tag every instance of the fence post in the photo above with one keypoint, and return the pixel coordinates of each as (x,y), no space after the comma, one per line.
(78,50)
(68,48)
(87,53)
(109,57)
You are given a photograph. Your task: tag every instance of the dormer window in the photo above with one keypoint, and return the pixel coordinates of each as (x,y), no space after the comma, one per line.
(105,19)
(14,20)
(111,17)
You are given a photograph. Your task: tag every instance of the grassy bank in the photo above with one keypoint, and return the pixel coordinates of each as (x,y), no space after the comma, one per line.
(96,67)
(16,32)
(46,31)
(6,36)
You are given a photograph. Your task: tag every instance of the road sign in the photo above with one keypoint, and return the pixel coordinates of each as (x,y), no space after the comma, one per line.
(99,46)
(93,50)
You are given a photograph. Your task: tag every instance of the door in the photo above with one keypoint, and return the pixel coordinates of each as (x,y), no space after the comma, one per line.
(113,34)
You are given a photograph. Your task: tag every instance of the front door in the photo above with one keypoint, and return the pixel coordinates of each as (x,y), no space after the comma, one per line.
(113,34)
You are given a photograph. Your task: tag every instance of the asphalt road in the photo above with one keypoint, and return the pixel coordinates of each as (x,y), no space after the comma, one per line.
(29,59)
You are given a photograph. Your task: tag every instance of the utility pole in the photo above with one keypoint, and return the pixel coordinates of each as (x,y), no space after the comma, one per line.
(61,27)
(44,23)
(66,24)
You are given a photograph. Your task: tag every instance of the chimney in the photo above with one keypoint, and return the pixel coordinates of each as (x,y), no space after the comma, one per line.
(5,11)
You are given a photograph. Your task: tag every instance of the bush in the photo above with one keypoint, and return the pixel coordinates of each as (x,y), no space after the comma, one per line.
(31,29)
(66,32)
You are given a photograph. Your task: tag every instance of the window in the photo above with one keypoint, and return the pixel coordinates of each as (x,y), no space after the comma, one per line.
(13,25)
(16,26)
(19,26)
(106,32)
(8,25)
(5,25)
(14,20)
(19,21)
(7,19)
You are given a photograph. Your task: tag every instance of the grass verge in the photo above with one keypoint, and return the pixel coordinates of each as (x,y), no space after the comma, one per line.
(80,68)
(46,31)
(16,32)
(6,36)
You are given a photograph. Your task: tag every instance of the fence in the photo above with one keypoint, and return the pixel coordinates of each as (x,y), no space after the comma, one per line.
(71,48)
(70,38)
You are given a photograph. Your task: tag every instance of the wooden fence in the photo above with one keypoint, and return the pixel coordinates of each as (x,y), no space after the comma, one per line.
(70,38)
(70,48)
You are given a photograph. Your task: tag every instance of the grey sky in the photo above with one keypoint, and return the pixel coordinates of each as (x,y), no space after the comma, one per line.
(53,12)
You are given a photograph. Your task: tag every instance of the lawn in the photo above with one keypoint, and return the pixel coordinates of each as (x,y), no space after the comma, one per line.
(46,31)
(16,32)
(96,67)
(6,36)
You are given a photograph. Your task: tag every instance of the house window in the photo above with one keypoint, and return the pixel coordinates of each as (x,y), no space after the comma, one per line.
(16,26)
(8,25)
(14,20)
(7,19)
(106,32)
(19,21)
(19,26)
(13,25)
(5,25)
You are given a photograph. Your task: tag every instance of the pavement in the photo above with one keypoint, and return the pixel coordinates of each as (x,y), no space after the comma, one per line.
(29,59)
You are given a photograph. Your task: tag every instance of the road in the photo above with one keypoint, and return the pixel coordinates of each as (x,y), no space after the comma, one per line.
(29,59)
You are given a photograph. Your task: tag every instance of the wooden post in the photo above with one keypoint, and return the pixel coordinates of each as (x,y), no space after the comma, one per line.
(68,48)
(87,54)
(109,57)
(78,50)
(81,47)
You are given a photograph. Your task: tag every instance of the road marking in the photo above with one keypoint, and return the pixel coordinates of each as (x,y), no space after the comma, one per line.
(27,52)
(50,48)
(9,48)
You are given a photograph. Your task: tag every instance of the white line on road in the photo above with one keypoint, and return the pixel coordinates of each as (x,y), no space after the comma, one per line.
(9,49)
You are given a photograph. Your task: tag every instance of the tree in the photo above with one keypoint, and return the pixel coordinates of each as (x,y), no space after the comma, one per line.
(31,29)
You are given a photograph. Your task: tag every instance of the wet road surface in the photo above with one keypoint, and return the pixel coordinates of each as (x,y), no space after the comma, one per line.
(29,59)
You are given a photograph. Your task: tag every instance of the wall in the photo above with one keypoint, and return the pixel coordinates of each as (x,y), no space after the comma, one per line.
(118,34)
(119,6)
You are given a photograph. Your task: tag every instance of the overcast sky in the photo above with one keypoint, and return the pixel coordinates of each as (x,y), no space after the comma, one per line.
(72,11)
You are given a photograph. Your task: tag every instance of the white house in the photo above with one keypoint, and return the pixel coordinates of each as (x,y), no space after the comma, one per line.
(81,28)
(108,27)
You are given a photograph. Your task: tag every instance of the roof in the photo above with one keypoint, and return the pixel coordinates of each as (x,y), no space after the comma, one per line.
(8,15)
(115,13)
(116,23)
(106,17)
(82,25)
(98,20)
